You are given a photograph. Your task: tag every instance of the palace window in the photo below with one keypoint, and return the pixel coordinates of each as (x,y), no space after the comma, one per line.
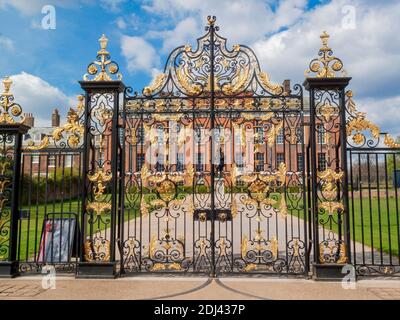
(280,138)
(52,161)
(140,135)
(321,134)
(35,159)
(180,165)
(280,158)
(139,161)
(197,134)
(321,161)
(300,162)
(259,161)
(259,135)
(239,159)
(199,162)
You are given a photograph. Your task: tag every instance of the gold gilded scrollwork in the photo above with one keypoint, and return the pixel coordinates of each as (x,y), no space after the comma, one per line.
(3,198)
(73,129)
(390,142)
(328,111)
(97,249)
(328,251)
(100,178)
(260,185)
(9,109)
(327,65)
(241,77)
(265,81)
(329,180)
(42,145)
(155,85)
(358,123)
(184,80)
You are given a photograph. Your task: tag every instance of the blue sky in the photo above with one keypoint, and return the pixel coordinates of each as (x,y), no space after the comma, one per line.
(60,56)
(284,34)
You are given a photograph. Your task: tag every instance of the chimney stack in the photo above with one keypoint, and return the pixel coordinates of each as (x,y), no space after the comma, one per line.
(55,119)
(286,87)
(29,120)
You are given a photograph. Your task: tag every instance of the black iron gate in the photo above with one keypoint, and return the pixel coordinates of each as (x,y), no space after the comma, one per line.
(374,179)
(214,167)
(211,169)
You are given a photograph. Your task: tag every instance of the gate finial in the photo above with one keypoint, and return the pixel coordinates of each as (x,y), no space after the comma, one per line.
(211,20)
(327,64)
(10,109)
(103,68)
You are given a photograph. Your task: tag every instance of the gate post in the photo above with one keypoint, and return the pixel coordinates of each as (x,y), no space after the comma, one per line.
(329,182)
(100,167)
(11,131)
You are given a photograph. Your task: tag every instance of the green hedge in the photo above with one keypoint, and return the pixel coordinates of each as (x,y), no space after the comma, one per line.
(58,187)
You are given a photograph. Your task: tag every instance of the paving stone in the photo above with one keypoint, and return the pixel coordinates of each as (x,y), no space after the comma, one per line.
(386,293)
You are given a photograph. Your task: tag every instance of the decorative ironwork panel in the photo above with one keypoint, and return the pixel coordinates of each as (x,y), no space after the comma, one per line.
(98,143)
(7,146)
(190,202)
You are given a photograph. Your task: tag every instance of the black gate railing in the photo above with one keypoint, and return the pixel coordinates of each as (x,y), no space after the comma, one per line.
(213,179)
(374,210)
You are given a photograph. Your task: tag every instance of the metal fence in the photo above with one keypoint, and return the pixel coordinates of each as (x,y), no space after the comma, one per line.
(212,168)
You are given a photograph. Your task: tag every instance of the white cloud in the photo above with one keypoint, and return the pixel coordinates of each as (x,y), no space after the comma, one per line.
(131,22)
(383,112)
(139,54)
(369,53)
(286,37)
(182,34)
(243,20)
(37,96)
(112,5)
(34,7)
(6,43)
(121,24)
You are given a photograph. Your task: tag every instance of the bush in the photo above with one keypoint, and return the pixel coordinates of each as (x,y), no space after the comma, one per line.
(55,186)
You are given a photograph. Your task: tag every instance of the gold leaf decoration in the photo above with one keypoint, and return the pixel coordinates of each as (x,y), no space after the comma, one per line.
(97,250)
(273,88)
(283,211)
(184,80)
(244,246)
(328,111)
(327,65)
(331,207)
(9,109)
(100,177)
(99,207)
(43,144)
(274,247)
(155,85)
(234,208)
(250,267)
(144,210)
(390,142)
(73,128)
(241,77)
(103,68)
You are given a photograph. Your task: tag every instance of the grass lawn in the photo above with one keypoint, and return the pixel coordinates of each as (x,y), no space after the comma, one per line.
(376,223)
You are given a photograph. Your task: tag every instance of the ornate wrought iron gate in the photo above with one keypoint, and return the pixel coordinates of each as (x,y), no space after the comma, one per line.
(214,170)
(211,169)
